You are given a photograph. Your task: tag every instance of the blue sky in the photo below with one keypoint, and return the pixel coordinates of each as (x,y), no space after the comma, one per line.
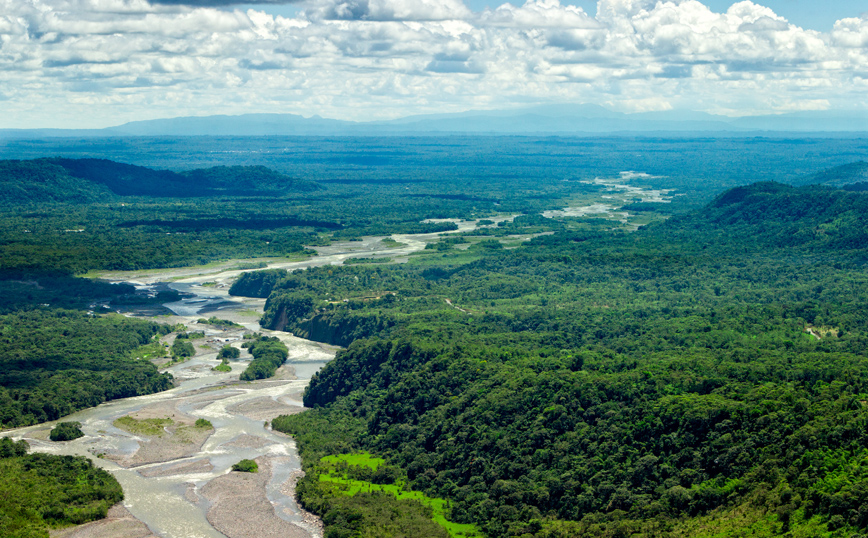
(96,63)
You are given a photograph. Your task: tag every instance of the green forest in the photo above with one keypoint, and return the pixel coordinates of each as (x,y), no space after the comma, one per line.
(54,362)
(694,367)
(607,384)
(40,492)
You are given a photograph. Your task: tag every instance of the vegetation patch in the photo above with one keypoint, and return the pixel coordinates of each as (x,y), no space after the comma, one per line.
(40,492)
(55,362)
(269,353)
(228,352)
(155,427)
(215,321)
(344,471)
(246,466)
(66,431)
(366,261)
(203,423)
(152,350)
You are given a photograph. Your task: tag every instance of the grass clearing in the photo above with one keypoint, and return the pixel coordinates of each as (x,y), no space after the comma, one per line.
(148,426)
(338,464)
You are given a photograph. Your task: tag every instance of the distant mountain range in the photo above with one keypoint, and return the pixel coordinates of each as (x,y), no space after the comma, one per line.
(551,119)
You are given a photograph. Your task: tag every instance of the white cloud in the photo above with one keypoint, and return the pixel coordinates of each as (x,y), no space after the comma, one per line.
(851,33)
(73,61)
(391,10)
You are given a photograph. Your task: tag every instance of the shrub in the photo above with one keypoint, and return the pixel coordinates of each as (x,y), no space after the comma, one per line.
(229,352)
(66,431)
(246,466)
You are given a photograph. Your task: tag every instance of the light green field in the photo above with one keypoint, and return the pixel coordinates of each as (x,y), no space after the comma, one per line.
(347,486)
(148,426)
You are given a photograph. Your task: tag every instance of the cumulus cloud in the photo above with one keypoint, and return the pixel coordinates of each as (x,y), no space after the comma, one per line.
(391,10)
(87,60)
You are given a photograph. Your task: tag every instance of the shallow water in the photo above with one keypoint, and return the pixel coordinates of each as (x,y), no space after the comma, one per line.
(171,506)
(619,193)
(160,501)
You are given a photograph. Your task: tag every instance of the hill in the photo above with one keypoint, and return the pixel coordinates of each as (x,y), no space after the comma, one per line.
(701,377)
(808,219)
(843,175)
(87,180)
(40,181)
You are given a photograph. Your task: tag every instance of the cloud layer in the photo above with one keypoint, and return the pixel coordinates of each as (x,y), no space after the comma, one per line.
(103,62)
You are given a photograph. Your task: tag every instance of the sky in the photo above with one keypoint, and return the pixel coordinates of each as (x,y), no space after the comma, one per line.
(98,63)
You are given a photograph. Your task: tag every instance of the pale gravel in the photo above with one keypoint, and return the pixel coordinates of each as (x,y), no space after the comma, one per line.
(241,509)
(288,489)
(181,440)
(264,408)
(202,465)
(247,441)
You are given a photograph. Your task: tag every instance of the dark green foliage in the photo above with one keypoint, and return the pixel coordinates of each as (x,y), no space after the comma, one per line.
(203,423)
(229,352)
(280,310)
(763,215)
(66,431)
(845,174)
(246,466)
(620,379)
(83,222)
(214,320)
(192,335)
(246,180)
(623,380)
(41,181)
(258,283)
(55,362)
(182,348)
(269,353)
(25,290)
(129,180)
(321,433)
(41,491)
(380,515)
(13,449)
(126,179)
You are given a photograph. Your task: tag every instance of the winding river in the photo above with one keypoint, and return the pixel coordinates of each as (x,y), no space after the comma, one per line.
(167,495)
(172,494)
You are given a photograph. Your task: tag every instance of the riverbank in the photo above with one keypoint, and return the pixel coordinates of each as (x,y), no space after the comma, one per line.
(119,522)
(173,480)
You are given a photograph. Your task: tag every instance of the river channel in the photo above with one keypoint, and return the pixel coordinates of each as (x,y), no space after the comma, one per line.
(168,490)
(182,491)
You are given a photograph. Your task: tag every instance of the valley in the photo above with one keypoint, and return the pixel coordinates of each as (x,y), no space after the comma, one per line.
(609,354)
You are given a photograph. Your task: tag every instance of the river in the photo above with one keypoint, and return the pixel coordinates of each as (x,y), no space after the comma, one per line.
(167,494)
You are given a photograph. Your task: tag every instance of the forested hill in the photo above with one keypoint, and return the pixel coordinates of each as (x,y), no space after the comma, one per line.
(702,377)
(810,219)
(85,180)
(846,174)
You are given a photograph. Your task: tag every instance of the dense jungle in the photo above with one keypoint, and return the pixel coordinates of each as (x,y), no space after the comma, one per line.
(641,337)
